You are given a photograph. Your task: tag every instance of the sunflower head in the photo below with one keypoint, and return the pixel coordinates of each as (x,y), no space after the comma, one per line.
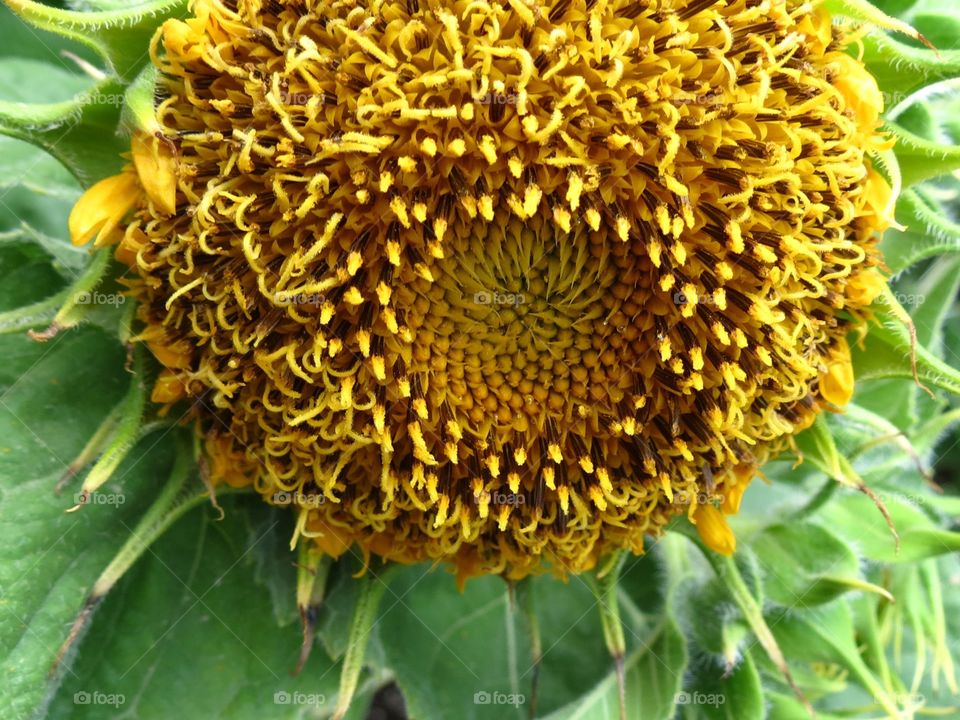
(496,283)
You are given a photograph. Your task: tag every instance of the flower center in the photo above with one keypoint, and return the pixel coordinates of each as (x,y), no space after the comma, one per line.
(523,322)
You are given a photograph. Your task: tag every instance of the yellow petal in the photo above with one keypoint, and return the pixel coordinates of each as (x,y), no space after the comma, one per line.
(735,488)
(101,208)
(185,39)
(865,287)
(332,541)
(168,388)
(879,203)
(157,168)
(836,384)
(225,462)
(713,529)
(860,90)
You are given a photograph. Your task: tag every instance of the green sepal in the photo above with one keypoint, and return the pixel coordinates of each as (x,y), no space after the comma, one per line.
(81,133)
(827,634)
(921,159)
(817,445)
(901,70)
(928,233)
(920,536)
(808,565)
(891,350)
(139,103)
(866,12)
(64,309)
(125,434)
(121,37)
(604,585)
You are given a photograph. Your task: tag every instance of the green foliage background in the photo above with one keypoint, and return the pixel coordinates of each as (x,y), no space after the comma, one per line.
(205,624)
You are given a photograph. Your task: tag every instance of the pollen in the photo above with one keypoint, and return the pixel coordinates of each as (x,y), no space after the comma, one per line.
(504,284)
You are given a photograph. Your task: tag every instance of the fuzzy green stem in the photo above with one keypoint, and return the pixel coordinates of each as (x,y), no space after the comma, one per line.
(361,625)
(604,586)
(726,568)
(528,606)
(125,434)
(312,571)
(175,499)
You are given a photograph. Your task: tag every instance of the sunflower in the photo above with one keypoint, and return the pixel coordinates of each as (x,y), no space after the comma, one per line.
(508,285)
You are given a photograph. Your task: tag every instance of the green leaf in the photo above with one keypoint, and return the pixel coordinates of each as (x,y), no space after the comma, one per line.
(933,430)
(786,707)
(188,632)
(37,191)
(938,24)
(23,41)
(918,118)
(59,83)
(25,278)
(897,8)
(50,559)
(448,648)
(654,675)
(67,259)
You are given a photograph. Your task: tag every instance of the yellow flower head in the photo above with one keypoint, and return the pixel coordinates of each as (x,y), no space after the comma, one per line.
(502,282)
